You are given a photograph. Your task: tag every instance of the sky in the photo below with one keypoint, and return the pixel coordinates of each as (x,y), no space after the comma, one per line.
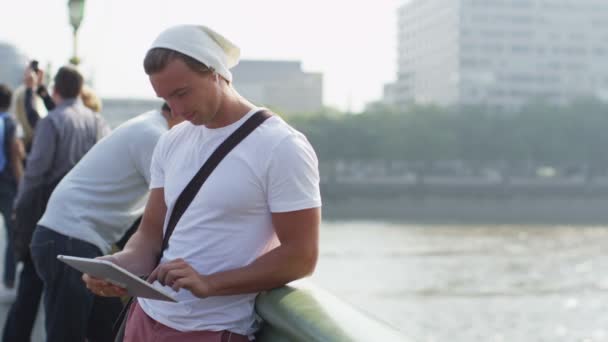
(353,43)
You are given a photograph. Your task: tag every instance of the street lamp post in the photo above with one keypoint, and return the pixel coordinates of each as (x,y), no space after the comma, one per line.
(76,10)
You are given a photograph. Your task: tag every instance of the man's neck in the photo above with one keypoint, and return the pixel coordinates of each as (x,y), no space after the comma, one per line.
(58,99)
(232,109)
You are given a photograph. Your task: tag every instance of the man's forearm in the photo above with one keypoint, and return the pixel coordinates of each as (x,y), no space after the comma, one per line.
(17,166)
(271,270)
(30,109)
(140,253)
(44,94)
(17,156)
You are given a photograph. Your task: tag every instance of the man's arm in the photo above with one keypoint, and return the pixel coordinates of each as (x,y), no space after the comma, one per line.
(17,156)
(296,257)
(288,191)
(41,90)
(46,97)
(40,159)
(30,109)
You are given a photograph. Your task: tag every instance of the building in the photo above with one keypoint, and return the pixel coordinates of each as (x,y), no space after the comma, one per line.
(279,85)
(12,66)
(502,53)
(390,94)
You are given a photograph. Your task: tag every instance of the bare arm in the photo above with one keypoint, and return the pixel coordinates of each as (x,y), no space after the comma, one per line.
(17,156)
(296,257)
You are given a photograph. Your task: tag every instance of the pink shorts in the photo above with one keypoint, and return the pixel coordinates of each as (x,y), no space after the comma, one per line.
(140,327)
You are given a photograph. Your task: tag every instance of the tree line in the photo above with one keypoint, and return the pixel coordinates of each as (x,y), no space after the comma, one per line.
(573,135)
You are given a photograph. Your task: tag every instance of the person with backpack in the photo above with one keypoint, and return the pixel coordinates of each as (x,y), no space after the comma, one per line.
(11,170)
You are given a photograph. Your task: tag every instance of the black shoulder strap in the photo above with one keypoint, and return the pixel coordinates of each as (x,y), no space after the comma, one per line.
(190,191)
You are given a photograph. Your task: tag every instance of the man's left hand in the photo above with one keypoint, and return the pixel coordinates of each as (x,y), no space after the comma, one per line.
(180,275)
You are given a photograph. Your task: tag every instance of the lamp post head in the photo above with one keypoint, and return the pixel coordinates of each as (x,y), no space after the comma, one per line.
(76,10)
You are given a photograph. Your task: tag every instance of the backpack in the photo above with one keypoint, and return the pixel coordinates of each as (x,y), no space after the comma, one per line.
(3,138)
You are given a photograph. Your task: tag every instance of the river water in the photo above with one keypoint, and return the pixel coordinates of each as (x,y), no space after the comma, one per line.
(467,283)
(472,283)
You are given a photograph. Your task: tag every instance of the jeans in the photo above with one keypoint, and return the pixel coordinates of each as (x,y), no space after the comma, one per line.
(7,196)
(22,314)
(73,313)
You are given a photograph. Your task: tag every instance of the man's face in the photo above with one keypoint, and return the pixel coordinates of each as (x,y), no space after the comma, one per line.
(191,95)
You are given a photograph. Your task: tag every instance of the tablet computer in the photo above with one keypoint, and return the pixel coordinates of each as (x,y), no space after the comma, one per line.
(117,275)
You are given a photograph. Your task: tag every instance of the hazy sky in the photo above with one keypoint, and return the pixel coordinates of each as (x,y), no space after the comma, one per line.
(353,43)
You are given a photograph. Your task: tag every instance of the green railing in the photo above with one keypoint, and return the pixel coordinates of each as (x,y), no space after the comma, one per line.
(304,312)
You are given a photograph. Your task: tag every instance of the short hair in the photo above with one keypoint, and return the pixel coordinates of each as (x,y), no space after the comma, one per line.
(157,59)
(68,82)
(6,95)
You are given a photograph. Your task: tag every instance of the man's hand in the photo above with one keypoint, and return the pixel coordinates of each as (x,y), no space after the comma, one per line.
(40,77)
(101,287)
(180,275)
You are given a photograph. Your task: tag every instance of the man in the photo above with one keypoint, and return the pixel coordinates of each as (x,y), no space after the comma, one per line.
(91,209)
(60,140)
(31,102)
(11,170)
(224,249)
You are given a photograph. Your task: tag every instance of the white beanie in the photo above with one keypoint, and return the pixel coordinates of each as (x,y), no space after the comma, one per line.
(202,44)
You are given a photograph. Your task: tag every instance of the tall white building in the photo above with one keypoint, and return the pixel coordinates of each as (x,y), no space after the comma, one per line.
(502,53)
(280,85)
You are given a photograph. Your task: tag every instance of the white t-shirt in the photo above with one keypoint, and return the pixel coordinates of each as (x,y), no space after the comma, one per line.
(228,224)
(100,198)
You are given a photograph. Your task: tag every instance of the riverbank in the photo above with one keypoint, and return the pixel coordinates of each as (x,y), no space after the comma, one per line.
(437,209)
